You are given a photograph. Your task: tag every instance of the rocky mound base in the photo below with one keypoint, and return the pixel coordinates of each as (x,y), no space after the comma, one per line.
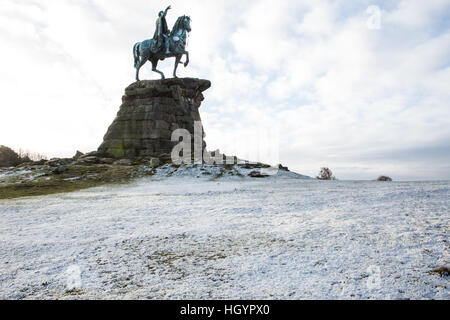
(151,110)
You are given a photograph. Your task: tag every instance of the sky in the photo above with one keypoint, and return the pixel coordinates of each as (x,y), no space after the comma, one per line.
(361,87)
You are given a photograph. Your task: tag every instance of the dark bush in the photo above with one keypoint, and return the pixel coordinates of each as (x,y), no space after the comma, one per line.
(443,272)
(325,174)
(8,157)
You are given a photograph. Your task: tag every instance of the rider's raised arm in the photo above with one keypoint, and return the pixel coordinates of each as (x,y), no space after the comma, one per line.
(165,11)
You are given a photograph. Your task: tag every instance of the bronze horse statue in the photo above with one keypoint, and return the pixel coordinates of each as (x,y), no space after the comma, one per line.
(148,50)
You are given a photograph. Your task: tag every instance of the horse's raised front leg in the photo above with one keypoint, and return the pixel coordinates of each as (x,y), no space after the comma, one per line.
(154,64)
(177,61)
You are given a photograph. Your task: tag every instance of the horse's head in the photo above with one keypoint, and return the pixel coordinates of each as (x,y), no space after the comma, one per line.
(187,23)
(183,24)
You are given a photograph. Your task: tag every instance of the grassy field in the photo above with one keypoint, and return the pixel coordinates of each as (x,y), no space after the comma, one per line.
(74,178)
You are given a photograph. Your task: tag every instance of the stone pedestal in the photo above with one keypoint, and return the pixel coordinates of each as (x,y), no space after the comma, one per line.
(150,112)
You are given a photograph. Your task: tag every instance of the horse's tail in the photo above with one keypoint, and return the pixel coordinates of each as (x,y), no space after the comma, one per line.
(136,54)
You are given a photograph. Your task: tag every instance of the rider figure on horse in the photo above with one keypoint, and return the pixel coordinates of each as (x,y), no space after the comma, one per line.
(165,44)
(161,36)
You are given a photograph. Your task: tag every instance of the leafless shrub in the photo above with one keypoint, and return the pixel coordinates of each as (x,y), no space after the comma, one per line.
(326,174)
(28,156)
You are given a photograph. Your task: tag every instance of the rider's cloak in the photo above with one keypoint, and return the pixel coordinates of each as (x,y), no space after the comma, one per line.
(161,28)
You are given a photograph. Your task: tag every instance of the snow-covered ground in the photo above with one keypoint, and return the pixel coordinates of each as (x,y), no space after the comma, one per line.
(273,238)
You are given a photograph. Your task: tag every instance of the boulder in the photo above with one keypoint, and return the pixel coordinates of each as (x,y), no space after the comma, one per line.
(107,160)
(257,174)
(90,154)
(25,164)
(60,170)
(88,160)
(154,162)
(165,158)
(78,155)
(250,165)
(39,162)
(54,162)
(123,162)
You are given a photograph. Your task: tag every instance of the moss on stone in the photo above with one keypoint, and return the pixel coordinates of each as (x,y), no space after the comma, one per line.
(116,149)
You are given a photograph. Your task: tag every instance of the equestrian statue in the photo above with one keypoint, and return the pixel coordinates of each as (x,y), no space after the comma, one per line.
(165,44)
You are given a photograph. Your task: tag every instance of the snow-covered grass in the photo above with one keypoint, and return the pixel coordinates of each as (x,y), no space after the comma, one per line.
(183,237)
(13,173)
(210,172)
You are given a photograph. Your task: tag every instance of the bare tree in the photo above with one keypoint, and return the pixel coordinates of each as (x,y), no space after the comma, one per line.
(28,156)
